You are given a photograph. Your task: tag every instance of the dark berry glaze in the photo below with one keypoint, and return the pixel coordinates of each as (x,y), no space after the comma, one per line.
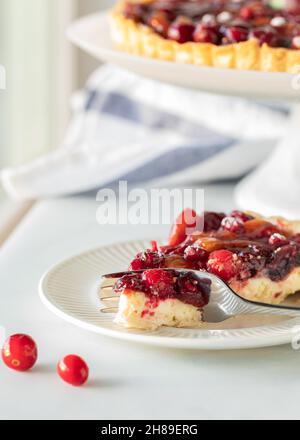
(240,247)
(221,22)
(159,285)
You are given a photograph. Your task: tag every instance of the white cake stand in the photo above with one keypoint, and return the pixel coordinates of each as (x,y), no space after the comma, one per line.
(274,187)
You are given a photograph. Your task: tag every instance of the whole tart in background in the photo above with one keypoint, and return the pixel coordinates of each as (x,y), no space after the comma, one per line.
(237,34)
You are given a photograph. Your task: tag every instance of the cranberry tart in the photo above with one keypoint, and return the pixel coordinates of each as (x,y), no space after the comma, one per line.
(259,258)
(239,34)
(158,297)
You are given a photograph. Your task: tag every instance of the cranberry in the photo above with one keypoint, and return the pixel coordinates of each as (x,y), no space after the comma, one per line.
(212,221)
(73,370)
(159,21)
(195,253)
(192,290)
(181,30)
(246,13)
(160,282)
(19,352)
(236,34)
(136,264)
(277,239)
(147,260)
(266,35)
(234,225)
(206,34)
(222,263)
(241,215)
(293,7)
(283,259)
(128,282)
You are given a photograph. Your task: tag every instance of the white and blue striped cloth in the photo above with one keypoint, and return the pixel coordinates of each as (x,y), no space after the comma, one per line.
(128,128)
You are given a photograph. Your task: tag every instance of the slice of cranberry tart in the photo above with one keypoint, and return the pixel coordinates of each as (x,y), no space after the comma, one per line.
(259,258)
(242,34)
(160,297)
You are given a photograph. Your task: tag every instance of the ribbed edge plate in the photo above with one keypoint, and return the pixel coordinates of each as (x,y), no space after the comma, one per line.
(71,291)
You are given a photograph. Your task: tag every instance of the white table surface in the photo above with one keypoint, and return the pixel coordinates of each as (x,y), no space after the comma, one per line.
(127,381)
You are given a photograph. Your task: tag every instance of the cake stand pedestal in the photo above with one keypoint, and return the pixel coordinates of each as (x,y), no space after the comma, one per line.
(273,188)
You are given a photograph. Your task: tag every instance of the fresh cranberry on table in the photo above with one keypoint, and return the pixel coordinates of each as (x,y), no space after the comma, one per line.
(236,34)
(222,263)
(266,35)
(73,370)
(204,33)
(20,352)
(181,30)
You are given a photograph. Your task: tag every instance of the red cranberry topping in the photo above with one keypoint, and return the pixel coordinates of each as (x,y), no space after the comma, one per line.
(233,224)
(222,263)
(212,221)
(177,20)
(181,30)
(277,239)
(147,260)
(264,36)
(159,284)
(206,34)
(195,253)
(241,215)
(193,291)
(236,34)
(247,13)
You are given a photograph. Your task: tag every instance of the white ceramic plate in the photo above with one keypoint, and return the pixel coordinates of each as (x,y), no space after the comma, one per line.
(92,34)
(71,291)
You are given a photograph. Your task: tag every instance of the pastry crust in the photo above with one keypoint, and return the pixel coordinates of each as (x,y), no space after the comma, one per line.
(139,39)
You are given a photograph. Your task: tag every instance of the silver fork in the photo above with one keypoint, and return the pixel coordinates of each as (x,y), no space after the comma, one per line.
(224,302)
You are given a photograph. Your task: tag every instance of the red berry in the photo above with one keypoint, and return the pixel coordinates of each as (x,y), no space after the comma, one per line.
(264,36)
(19,352)
(73,370)
(205,34)
(160,281)
(241,215)
(212,221)
(278,239)
(233,224)
(246,13)
(136,264)
(222,263)
(236,34)
(181,30)
(195,253)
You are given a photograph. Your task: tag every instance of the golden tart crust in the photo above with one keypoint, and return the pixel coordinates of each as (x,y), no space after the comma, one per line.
(139,39)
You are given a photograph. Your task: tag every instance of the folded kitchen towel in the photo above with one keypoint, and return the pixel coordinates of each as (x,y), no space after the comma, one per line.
(128,128)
